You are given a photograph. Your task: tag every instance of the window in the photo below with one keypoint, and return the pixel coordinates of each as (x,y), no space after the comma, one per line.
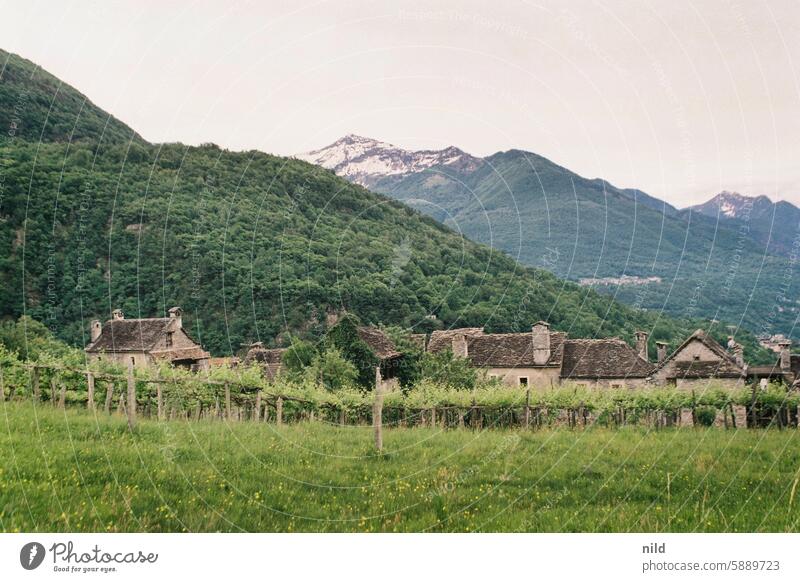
(697,358)
(616,385)
(523,380)
(133,361)
(169,339)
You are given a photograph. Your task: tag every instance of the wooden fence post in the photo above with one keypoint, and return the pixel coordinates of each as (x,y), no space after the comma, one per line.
(53,382)
(279,411)
(2,386)
(227,401)
(257,411)
(528,408)
(131,408)
(159,402)
(35,384)
(90,391)
(62,396)
(109,397)
(377,411)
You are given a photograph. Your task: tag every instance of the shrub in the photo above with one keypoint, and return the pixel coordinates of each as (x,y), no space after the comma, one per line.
(705,415)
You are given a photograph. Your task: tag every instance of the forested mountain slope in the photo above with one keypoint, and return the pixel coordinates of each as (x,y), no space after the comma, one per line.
(253,247)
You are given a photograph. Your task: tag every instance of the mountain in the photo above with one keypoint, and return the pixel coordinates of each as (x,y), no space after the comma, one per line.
(364,161)
(35,105)
(775,225)
(624,242)
(252,246)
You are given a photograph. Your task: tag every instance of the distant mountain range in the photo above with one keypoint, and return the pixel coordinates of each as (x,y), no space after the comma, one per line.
(366,161)
(731,258)
(252,246)
(771,224)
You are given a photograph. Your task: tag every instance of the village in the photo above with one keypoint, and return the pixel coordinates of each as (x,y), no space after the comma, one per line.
(539,359)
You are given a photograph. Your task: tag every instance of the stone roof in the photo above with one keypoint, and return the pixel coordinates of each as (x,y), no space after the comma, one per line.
(381,344)
(725,367)
(443,339)
(705,369)
(602,358)
(131,335)
(194,353)
(511,350)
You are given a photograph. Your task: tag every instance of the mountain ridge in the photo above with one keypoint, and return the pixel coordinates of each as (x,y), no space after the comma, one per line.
(545,215)
(253,247)
(35,105)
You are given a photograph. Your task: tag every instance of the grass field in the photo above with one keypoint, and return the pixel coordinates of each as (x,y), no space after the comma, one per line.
(70,471)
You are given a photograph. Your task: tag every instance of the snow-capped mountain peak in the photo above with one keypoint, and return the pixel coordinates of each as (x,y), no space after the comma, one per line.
(365,161)
(732,205)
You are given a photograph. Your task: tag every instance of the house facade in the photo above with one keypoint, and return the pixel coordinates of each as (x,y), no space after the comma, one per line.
(700,362)
(270,360)
(146,342)
(543,358)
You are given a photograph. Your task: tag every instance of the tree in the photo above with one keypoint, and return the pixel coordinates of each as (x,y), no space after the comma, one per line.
(299,356)
(332,370)
(443,368)
(344,337)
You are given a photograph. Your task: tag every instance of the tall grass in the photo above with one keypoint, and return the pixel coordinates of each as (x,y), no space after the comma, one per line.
(74,471)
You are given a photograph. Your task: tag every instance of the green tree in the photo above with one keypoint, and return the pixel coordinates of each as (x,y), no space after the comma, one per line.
(332,370)
(443,368)
(344,337)
(299,356)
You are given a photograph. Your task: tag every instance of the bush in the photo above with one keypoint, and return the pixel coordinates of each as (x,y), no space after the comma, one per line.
(705,415)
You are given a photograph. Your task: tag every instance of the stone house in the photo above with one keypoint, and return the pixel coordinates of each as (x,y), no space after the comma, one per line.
(543,358)
(786,370)
(145,342)
(701,362)
(270,360)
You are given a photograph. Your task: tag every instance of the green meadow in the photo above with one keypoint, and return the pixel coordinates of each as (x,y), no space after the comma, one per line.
(74,471)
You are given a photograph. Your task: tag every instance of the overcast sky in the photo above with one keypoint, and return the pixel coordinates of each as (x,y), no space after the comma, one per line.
(680,99)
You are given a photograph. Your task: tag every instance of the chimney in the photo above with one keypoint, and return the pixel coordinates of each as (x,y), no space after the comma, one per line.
(175,313)
(541,342)
(738,354)
(460,349)
(641,344)
(117,314)
(661,349)
(786,358)
(96,329)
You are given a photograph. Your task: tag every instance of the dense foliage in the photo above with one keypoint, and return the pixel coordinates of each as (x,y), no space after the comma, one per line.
(252,246)
(549,217)
(35,105)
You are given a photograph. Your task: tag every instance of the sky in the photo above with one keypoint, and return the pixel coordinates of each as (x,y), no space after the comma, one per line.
(680,99)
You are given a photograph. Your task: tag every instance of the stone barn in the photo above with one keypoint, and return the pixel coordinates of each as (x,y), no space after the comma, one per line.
(543,358)
(145,342)
(270,360)
(701,362)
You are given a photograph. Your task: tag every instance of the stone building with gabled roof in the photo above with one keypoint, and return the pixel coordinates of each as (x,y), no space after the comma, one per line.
(270,360)
(146,342)
(610,362)
(700,361)
(545,358)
